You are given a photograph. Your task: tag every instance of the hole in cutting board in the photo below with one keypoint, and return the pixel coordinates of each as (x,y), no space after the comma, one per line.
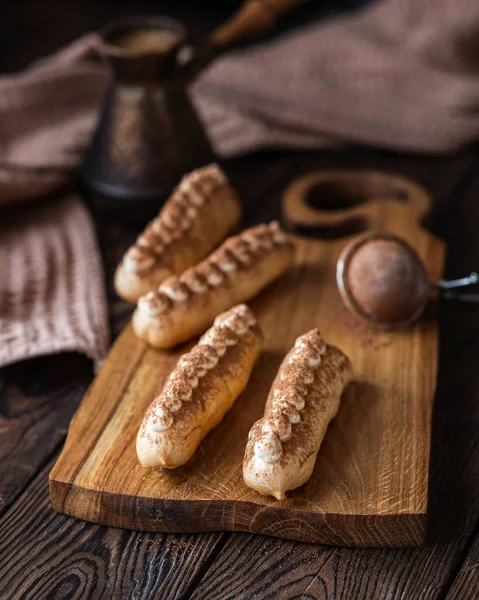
(333,196)
(342,195)
(346,228)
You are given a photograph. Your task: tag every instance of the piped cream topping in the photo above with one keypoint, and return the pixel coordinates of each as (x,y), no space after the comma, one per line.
(175,289)
(268,447)
(289,396)
(215,277)
(137,258)
(197,282)
(152,304)
(226,331)
(228,266)
(161,420)
(196,198)
(214,338)
(176,217)
(173,402)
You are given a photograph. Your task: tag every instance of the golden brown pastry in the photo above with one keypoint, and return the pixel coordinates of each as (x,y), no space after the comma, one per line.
(197,216)
(282,446)
(185,306)
(200,391)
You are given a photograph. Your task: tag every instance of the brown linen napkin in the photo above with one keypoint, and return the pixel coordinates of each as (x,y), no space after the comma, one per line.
(52,296)
(52,293)
(402,74)
(47,114)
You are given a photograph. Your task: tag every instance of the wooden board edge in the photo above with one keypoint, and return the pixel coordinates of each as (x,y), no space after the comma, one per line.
(197,516)
(70,461)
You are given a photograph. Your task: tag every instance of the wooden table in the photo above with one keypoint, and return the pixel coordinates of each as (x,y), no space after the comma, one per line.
(46,555)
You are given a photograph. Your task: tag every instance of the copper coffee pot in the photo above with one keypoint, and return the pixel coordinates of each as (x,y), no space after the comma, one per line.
(148,134)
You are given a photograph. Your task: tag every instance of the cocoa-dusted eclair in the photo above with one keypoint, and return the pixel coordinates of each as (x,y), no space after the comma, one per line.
(241,267)
(197,216)
(282,446)
(200,391)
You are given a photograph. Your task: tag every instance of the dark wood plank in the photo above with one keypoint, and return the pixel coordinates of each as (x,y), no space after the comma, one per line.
(37,400)
(466,582)
(45,555)
(265,568)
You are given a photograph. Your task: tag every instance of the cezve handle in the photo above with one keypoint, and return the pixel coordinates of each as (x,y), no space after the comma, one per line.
(253,18)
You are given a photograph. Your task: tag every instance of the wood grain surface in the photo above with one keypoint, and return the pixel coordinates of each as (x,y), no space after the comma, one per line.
(466,583)
(369,487)
(96,562)
(36,403)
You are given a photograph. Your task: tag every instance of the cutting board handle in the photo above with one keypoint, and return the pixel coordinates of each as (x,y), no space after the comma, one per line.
(347,199)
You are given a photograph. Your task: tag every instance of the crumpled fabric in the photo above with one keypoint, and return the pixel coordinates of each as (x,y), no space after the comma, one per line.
(400,74)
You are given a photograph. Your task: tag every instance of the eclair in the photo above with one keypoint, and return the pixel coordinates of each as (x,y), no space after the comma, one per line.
(185,306)
(283,446)
(200,391)
(199,214)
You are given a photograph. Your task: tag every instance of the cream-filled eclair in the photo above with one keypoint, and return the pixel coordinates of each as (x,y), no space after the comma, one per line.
(282,446)
(185,306)
(200,391)
(201,211)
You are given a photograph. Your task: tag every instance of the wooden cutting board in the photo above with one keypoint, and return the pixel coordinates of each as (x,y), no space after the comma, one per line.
(370,484)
